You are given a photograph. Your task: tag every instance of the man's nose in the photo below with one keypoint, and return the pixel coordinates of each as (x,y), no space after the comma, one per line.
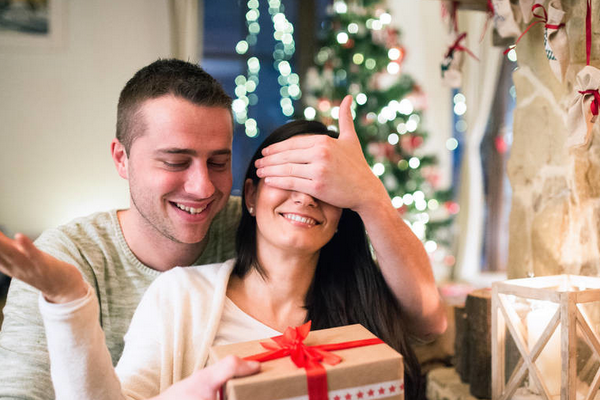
(198,182)
(304,199)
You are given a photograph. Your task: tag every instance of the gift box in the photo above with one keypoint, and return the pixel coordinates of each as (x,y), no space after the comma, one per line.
(369,369)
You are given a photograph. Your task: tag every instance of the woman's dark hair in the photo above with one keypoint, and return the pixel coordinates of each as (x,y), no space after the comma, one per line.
(348,287)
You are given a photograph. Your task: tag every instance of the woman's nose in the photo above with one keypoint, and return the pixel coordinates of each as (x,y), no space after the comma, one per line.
(304,199)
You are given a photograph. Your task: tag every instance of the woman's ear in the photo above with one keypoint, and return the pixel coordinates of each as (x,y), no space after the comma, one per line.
(250,196)
(119,156)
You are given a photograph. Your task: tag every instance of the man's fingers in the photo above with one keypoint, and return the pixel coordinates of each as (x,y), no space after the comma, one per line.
(299,156)
(346,123)
(296,142)
(291,170)
(229,367)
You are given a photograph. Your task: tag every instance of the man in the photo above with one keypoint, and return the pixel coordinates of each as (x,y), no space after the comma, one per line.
(173,145)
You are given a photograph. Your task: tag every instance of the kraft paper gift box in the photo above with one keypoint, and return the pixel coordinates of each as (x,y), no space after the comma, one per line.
(374,371)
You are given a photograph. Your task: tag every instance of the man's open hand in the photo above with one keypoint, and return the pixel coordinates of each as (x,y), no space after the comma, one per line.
(59,281)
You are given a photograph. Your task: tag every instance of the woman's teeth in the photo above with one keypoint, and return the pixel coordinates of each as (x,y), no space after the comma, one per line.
(190,210)
(298,218)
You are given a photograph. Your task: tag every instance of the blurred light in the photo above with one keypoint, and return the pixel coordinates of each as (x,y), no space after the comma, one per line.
(460,108)
(393,138)
(285,68)
(459,98)
(420,205)
(253,64)
(250,86)
(240,80)
(461,125)
(402,128)
(361,98)
(411,125)
(294,90)
(385,18)
(335,112)
(252,15)
(451,144)
(397,202)
(419,195)
(241,47)
(340,7)
(310,113)
(254,28)
(353,28)
(393,68)
(370,63)
(358,58)
(342,38)
(394,53)
(378,169)
(414,162)
(433,204)
(376,25)
(407,199)
(430,246)
(238,105)
(403,165)
(512,55)
(405,107)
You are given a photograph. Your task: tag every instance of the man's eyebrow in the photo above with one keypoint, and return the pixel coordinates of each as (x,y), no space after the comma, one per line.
(177,150)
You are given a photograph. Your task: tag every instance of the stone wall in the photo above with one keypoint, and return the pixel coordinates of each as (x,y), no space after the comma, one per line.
(555,214)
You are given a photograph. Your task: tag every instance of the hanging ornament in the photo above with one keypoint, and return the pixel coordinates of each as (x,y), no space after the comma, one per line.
(526,8)
(585,102)
(556,41)
(451,66)
(583,108)
(556,44)
(504,19)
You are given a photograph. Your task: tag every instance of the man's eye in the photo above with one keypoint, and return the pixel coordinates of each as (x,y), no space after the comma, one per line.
(174,165)
(218,164)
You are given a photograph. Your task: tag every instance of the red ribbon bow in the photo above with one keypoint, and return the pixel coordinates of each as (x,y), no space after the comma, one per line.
(595,102)
(540,19)
(456,46)
(291,343)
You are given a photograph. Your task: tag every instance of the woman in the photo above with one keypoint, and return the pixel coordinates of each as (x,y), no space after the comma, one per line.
(298,259)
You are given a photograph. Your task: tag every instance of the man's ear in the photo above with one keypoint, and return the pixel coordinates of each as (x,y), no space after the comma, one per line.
(119,156)
(250,196)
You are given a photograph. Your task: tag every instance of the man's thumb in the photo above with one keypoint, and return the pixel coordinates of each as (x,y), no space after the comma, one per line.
(346,123)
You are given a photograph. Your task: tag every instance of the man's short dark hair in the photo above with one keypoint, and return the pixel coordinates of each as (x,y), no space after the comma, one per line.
(163,77)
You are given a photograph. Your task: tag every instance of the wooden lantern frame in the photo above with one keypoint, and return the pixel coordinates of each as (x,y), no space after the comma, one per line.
(569,292)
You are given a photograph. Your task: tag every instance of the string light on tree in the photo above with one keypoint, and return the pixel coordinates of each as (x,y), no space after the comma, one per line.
(283,52)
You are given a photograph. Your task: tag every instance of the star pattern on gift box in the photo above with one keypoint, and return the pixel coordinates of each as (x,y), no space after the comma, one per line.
(381,390)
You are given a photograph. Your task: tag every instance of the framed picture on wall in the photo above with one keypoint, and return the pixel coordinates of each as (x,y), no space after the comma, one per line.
(32,23)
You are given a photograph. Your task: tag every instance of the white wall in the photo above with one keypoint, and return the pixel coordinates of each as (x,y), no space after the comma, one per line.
(425,38)
(58,111)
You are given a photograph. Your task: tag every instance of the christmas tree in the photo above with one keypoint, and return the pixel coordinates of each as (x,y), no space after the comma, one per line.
(359,53)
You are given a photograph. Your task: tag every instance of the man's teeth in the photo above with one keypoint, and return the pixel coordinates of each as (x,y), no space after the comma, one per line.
(298,218)
(190,210)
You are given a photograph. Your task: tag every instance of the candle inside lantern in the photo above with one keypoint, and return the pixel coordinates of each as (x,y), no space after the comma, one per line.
(548,362)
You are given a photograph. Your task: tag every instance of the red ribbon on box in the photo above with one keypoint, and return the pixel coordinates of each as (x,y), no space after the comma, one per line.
(291,343)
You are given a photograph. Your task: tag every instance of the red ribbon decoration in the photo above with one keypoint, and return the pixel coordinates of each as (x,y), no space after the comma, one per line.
(291,343)
(595,105)
(456,46)
(588,32)
(540,19)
